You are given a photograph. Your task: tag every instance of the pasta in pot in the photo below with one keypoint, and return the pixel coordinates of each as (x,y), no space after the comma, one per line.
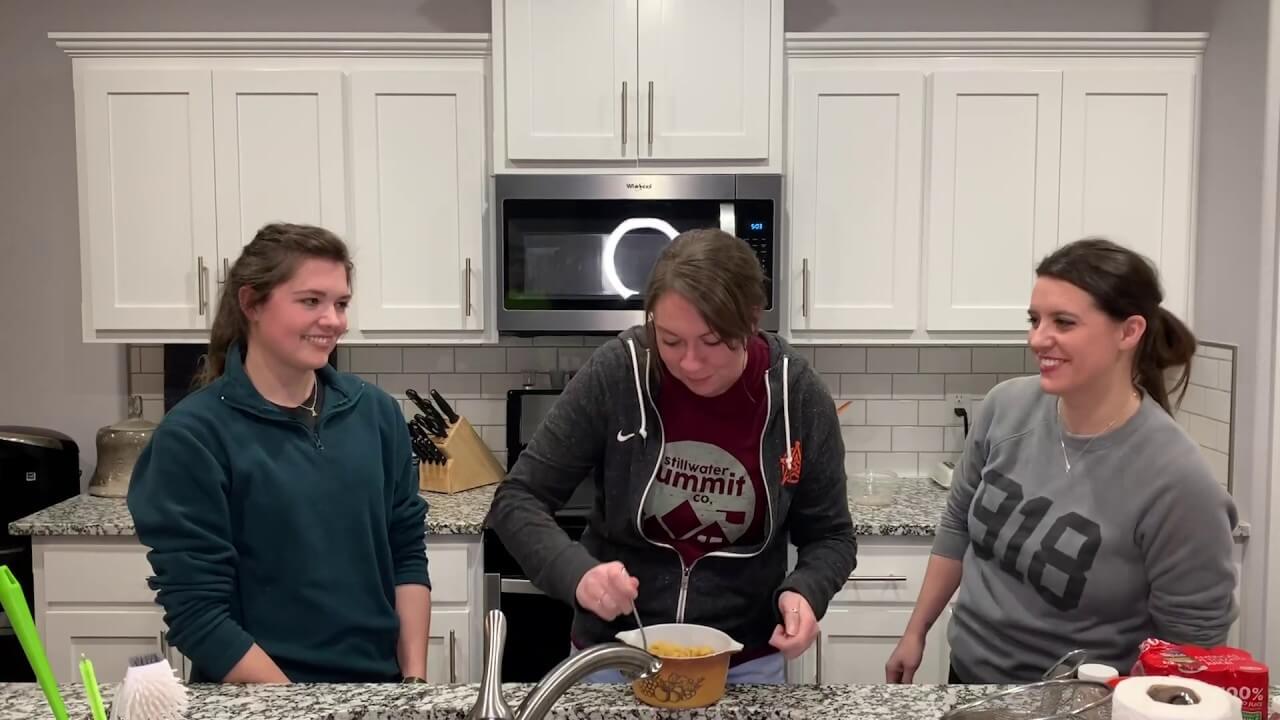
(665,649)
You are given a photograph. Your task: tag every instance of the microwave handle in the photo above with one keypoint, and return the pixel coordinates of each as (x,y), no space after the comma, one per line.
(728,221)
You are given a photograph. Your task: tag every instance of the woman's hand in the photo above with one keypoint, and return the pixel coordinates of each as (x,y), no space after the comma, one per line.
(799,626)
(905,660)
(607,590)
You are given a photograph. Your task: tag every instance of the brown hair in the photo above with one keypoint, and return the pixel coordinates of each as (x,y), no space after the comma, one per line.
(716,272)
(269,260)
(1124,284)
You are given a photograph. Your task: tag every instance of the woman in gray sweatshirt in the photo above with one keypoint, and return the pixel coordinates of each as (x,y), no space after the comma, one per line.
(1081,514)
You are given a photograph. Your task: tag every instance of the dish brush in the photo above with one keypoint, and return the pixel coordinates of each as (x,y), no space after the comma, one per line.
(150,691)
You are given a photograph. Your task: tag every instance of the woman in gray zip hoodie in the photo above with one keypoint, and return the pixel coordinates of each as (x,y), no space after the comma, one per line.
(710,443)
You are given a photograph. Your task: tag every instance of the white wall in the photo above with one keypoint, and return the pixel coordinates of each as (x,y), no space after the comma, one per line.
(1230,244)
(967,15)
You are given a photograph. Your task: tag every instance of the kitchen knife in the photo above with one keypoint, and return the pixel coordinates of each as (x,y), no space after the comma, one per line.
(418,400)
(431,426)
(444,407)
(420,449)
(432,452)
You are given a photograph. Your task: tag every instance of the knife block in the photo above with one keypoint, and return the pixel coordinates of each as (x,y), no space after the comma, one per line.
(470,463)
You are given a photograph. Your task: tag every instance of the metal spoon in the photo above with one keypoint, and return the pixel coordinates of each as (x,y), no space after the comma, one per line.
(640,625)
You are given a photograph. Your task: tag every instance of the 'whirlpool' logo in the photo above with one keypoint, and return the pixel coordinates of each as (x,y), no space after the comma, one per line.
(639,186)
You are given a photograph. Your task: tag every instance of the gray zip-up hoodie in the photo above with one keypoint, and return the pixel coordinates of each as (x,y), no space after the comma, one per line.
(606,425)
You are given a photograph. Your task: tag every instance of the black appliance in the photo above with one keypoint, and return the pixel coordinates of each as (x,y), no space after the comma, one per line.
(38,468)
(537,625)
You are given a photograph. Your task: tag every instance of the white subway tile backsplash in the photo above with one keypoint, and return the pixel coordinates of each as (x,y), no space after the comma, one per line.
(429,360)
(918,387)
(1031,363)
(153,409)
(480,360)
(371,378)
(929,461)
(1218,405)
(999,359)
(397,383)
(855,414)
(374,359)
(539,359)
(864,438)
(343,358)
(497,384)
(891,360)
(1204,371)
(147,384)
(953,439)
(557,340)
(866,386)
(854,462)
(1213,351)
(151,359)
(455,385)
(805,352)
(514,341)
(1220,464)
(892,412)
(135,359)
(840,359)
(495,437)
(1225,374)
(901,463)
(917,439)
(938,412)
(945,360)
(480,412)
(976,385)
(832,381)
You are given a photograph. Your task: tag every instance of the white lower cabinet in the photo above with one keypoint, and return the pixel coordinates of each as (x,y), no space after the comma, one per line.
(91,598)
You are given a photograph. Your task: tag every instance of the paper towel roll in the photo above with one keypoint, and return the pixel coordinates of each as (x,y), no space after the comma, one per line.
(1152,698)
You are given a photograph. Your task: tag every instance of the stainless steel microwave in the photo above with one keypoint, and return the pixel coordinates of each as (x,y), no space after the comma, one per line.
(575,251)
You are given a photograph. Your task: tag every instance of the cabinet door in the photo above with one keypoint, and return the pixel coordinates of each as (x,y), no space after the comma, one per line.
(418,158)
(855,643)
(704,79)
(1127,152)
(148,196)
(107,638)
(993,197)
(857,180)
(570,79)
(278,153)
(449,647)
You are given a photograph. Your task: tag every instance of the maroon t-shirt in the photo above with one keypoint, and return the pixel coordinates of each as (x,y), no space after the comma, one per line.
(708,493)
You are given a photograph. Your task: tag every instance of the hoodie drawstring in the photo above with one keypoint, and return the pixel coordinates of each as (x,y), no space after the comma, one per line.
(635,370)
(786,408)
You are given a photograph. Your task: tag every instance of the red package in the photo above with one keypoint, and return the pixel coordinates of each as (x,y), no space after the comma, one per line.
(1232,669)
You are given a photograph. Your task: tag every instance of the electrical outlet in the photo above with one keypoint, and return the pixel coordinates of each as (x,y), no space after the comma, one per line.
(958,400)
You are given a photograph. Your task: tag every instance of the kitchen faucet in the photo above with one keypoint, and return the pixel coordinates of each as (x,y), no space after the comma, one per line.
(491,705)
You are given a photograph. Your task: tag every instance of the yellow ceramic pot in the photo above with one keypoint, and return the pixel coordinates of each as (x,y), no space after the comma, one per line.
(684,682)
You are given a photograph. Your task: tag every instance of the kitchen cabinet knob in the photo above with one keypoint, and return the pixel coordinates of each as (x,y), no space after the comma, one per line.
(624,117)
(202,273)
(877,578)
(453,660)
(467,299)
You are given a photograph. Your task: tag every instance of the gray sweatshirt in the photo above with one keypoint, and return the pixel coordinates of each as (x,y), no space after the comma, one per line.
(1133,542)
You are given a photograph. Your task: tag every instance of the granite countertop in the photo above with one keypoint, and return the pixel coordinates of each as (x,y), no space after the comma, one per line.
(914,512)
(583,702)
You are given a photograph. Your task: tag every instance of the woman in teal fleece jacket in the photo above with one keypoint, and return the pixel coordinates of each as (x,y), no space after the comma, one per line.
(710,444)
(279,500)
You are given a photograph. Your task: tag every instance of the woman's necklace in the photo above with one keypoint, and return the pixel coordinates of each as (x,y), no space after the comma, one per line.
(1062,438)
(315,398)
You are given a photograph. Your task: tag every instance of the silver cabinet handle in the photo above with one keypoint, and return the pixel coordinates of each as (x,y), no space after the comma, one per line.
(226,269)
(201,274)
(467,301)
(453,668)
(877,578)
(164,645)
(804,287)
(650,118)
(624,117)
(818,651)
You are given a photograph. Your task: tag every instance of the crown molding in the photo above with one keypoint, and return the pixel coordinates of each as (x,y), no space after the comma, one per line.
(273,44)
(813,44)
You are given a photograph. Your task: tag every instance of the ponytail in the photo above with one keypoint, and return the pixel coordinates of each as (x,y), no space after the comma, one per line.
(1167,343)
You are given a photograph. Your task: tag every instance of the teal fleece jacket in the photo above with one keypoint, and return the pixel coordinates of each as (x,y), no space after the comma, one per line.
(262,531)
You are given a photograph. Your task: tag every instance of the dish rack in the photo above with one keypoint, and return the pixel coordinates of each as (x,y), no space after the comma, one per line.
(469,462)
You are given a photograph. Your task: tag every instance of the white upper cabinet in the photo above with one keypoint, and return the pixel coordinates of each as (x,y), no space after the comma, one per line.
(993,194)
(856,179)
(278,153)
(417,141)
(571,79)
(928,176)
(704,75)
(616,84)
(187,146)
(1127,152)
(147,198)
